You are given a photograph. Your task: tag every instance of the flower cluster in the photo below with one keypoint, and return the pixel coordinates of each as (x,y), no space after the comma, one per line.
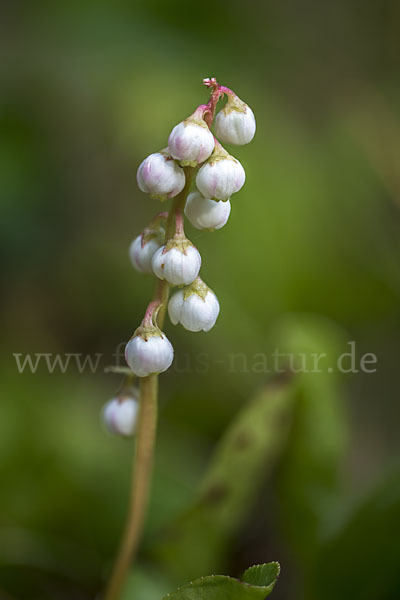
(163,248)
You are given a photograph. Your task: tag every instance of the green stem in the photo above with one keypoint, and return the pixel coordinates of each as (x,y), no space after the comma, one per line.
(179,202)
(140,488)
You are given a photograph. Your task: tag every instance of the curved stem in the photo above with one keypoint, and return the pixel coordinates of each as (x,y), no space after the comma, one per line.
(217,92)
(140,488)
(162,292)
(151,312)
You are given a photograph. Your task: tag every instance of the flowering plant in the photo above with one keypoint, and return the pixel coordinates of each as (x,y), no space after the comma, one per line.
(192,154)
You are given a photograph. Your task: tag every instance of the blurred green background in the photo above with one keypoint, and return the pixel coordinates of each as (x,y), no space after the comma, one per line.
(309,260)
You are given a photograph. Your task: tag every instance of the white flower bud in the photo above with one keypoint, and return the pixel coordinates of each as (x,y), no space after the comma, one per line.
(149,351)
(221,176)
(178,262)
(191,141)
(196,307)
(120,415)
(204,213)
(235,123)
(160,176)
(143,247)
(141,252)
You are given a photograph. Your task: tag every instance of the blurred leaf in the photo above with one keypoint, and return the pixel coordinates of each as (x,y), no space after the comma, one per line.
(199,541)
(310,473)
(362,560)
(257,583)
(146,584)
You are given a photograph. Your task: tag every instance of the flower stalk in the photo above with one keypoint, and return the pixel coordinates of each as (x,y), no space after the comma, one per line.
(169,173)
(146,431)
(141,477)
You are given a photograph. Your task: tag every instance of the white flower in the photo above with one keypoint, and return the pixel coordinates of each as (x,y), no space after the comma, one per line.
(196,307)
(221,176)
(141,252)
(204,213)
(191,141)
(235,123)
(149,351)
(160,176)
(178,262)
(143,247)
(120,415)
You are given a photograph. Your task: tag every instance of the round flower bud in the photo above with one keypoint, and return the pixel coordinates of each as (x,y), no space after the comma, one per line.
(141,252)
(120,415)
(149,351)
(196,307)
(204,213)
(235,123)
(160,176)
(221,176)
(191,141)
(143,247)
(178,262)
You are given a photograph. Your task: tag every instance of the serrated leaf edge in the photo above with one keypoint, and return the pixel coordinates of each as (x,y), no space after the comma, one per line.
(273,562)
(228,578)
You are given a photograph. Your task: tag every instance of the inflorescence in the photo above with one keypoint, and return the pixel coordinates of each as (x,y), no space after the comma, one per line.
(164,250)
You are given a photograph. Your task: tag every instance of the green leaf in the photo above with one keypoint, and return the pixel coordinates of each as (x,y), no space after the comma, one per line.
(145,583)
(310,475)
(200,540)
(257,583)
(262,575)
(362,559)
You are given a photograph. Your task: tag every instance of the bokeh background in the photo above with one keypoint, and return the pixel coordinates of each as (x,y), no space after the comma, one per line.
(308,262)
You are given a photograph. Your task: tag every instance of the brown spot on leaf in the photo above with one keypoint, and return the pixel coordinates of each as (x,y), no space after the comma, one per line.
(242,440)
(216,493)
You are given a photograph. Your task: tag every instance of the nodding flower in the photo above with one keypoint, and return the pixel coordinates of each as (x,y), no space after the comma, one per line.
(160,176)
(196,307)
(120,415)
(221,176)
(235,123)
(149,351)
(191,142)
(143,247)
(179,261)
(204,213)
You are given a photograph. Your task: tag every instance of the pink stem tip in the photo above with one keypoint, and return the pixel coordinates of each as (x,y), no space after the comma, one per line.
(151,310)
(217,91)
(179,223)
